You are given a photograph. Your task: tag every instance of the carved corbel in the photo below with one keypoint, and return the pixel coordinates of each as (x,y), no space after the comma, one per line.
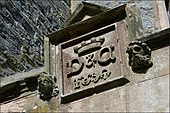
(47,87)
(139,56)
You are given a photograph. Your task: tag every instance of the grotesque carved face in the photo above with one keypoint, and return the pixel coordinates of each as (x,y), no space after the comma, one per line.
(139,56)
(47,87)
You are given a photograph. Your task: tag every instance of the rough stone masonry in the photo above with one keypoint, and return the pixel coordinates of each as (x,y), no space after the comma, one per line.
(23,24)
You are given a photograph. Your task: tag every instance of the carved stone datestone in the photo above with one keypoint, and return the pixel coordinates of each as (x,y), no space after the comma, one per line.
(89,64)
(89,55)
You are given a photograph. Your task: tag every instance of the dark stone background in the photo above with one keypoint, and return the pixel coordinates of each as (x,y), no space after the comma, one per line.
(23,25)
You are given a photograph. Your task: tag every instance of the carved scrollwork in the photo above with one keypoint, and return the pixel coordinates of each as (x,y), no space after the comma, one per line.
(139,56)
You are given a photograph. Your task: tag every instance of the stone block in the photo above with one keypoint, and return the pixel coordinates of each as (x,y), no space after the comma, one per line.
(160,58)
(23,26)
(149,96)
(108,101)
(30,103)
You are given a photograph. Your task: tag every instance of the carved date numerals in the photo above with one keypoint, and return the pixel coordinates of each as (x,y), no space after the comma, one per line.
(95,77)
(105,74)
(76,83)
(91,78)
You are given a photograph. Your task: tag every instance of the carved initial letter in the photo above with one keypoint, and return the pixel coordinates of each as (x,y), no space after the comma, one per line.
(106,56)
(74,67)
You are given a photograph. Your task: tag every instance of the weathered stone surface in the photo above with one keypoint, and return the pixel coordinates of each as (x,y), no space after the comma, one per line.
(30,103)
(19,85)
(143,17)
(149,96)
(27,83)
(160,58)
(145,92)
(140,18)
(146,17)
(88,73)
(47,87)
(90,63)
(139,56)
(105,3)
(108,101)
(20,76)
(84,11)
(80,28)
(157,40)
(23,24)
(163,13)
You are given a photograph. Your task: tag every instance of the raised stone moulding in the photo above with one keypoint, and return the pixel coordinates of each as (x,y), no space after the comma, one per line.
(139,56)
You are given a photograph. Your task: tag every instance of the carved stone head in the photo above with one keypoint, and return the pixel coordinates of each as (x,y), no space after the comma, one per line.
(46,87)
(139,56)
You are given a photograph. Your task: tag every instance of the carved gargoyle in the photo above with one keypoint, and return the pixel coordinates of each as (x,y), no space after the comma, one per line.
(47,87)
(139,56)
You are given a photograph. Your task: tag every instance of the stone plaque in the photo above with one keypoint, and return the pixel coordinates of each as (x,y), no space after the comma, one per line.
(91,64)
(88,58)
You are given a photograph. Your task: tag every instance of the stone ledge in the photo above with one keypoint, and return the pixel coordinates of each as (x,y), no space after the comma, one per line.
(20,76)
(14,86)
(158,39)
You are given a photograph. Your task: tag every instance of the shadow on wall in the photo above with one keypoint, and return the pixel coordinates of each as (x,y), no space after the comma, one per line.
(23,24)
(167,4)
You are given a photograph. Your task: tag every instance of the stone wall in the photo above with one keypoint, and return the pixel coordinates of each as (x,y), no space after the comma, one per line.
(23,24)
(143,17)
(146,92)
(106,3)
